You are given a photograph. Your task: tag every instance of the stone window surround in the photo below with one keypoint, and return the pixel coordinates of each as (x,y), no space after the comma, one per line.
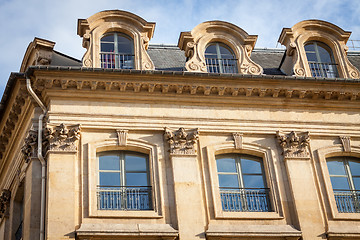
(93,166)
(99,24)
(249,149)
(323,154)
(194,44)
(295,39)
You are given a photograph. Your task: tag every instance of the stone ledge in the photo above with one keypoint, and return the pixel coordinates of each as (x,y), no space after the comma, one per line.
(252,231)
(344,232)
(155,230)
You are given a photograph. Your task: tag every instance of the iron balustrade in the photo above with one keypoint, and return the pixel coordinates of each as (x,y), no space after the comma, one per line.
(221,65)
(18,233)
(347,201)
(328,70)
(245,199)
(124,198)
(118,61)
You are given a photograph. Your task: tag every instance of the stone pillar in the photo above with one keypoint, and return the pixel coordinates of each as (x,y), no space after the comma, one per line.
(61,204)
(303,184)
(187,184)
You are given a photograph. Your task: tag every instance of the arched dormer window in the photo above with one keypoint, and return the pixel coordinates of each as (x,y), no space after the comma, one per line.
(313,47)
(321,60)
(220,58)
(116,39)
(218,40)
(117,51)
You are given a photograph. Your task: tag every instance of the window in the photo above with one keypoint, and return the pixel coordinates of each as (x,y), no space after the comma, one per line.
(321,60)
(117,51)
(345,180)
(242,183)
(220,59)
(124,182)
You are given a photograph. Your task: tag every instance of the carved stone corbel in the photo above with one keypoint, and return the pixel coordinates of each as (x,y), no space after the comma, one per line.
(30,145)
(346,143)
(122,136)
(182,142)
(238,140)
(4,202)
(293,145)
(62,138)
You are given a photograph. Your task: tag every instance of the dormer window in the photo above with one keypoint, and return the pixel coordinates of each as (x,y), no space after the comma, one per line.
(117,51)
(220,58)
(321,60)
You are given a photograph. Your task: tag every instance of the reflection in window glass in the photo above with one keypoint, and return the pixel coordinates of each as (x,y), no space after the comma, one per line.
(124,181)
(220,59)
(345,180)
(321,60)
(242,183)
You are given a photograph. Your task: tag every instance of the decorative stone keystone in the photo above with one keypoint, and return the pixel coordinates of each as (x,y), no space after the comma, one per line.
(345,141)
(62,138)
(181,142)
(122,136)
(294,146)
(238,140)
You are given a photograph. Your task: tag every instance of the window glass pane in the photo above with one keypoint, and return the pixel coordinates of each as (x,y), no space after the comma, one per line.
(135,162)
(354,167)
(211,51)
(107,47)
(228,180)
(336,167)
(136,179)
(109,162)
(311,57)
(125,45)
(109,179)
(226,164)
(324,55)
(340,183)
(225,52)
(309,47)
(108,38)
(253,181)
(356,181)
(250,166)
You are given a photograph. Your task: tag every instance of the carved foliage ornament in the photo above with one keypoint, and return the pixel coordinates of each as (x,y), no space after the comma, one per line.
(4,202)
(62,138)
(345,141)
(30,145)
(182,142)
(294,146)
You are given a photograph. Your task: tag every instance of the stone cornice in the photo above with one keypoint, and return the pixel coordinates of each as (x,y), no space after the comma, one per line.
(200,84)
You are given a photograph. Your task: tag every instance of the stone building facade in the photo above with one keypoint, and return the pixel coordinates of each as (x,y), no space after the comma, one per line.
(210,139)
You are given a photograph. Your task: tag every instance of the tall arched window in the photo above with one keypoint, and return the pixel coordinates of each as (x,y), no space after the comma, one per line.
(124,181)
(321,60)
(345,180)
(117,51)
(220,59)
(242,183)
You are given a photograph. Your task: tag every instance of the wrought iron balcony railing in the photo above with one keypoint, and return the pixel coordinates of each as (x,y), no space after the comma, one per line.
(117,61)
(124,198)
(221,65)
(347,201)
(245,199)
(328,70)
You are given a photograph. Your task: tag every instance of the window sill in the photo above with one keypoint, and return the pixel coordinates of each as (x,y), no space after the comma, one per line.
(247,215)
(125,214)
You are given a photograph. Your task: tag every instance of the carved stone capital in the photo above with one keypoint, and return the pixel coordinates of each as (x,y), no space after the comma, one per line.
(122,136)
(238,140)
(345,141)
(30,145)
(182,142)
(294,146)
(4,202)
(62,138)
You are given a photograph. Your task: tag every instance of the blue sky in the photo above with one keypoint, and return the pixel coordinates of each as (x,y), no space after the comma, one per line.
(22,20)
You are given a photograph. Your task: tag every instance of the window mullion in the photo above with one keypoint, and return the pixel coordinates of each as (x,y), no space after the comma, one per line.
(348,173)
(116,50)
(218,56)
(239,173)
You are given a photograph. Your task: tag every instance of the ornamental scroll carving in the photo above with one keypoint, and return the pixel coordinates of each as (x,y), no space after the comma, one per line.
(4,202)
(62,138)
(30,145)
(293,145)
(182,142)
